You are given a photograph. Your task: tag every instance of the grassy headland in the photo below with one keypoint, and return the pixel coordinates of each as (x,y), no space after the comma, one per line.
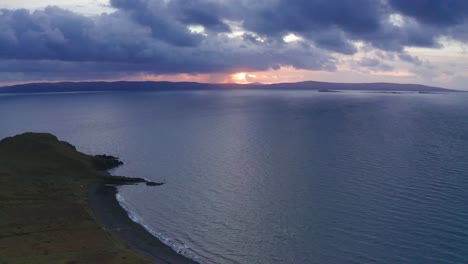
(44,212)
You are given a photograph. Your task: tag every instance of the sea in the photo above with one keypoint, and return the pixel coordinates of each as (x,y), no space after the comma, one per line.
(272,177)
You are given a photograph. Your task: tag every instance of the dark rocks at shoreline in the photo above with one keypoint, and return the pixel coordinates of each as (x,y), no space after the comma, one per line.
(122,180)
(106,162)
(154,183)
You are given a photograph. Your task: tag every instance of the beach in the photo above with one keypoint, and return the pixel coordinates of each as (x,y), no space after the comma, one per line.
(107,210)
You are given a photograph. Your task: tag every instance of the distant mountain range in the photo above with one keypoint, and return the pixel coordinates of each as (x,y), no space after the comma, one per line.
(164,86)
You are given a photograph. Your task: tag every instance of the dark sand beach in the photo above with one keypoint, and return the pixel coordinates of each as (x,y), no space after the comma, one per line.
(106,208)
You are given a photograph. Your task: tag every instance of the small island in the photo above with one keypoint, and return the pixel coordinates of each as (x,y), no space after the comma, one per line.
(58,205)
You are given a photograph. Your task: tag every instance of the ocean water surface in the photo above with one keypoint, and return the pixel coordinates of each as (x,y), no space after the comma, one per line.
(278,176)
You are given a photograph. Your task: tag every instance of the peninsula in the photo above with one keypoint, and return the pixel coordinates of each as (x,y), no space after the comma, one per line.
(57,205)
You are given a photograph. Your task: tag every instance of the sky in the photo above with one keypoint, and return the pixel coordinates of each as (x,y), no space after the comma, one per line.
(242,41)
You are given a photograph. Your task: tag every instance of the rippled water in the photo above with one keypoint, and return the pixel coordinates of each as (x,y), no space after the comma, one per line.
(279,177)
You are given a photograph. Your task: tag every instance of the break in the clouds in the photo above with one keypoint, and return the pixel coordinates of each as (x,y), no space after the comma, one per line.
(153,37)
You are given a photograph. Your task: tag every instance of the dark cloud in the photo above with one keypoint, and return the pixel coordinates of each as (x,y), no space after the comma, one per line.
(305,16)
(156,15)
(408,58)
(199,12)
(373,64)
(439,13)
(154,36)
(333,40)
(119,43)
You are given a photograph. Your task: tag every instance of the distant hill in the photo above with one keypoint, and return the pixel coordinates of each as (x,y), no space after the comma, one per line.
(160,86)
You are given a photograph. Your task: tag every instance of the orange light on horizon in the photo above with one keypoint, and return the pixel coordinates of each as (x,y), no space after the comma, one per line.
(242,77)
(239,77)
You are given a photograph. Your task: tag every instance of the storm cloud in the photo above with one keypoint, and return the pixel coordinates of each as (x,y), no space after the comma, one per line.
(213,36)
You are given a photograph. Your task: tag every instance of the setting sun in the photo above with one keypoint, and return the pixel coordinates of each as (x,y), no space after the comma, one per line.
(239,77)
(243,77)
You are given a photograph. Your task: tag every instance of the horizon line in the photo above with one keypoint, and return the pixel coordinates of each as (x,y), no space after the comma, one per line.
(211,83)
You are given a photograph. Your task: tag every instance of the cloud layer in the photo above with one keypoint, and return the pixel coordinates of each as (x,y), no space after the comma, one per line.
(213,36)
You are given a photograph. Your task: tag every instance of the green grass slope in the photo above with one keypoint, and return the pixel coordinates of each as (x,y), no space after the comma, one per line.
(44,214)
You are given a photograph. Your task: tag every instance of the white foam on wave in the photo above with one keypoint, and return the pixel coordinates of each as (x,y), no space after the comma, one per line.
(179,248)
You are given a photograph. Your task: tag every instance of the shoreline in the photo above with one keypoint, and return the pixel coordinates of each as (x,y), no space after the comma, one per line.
(60,205)
(46,214)
(102,200)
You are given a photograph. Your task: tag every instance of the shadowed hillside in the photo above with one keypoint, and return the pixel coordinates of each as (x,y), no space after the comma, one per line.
(44,213)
